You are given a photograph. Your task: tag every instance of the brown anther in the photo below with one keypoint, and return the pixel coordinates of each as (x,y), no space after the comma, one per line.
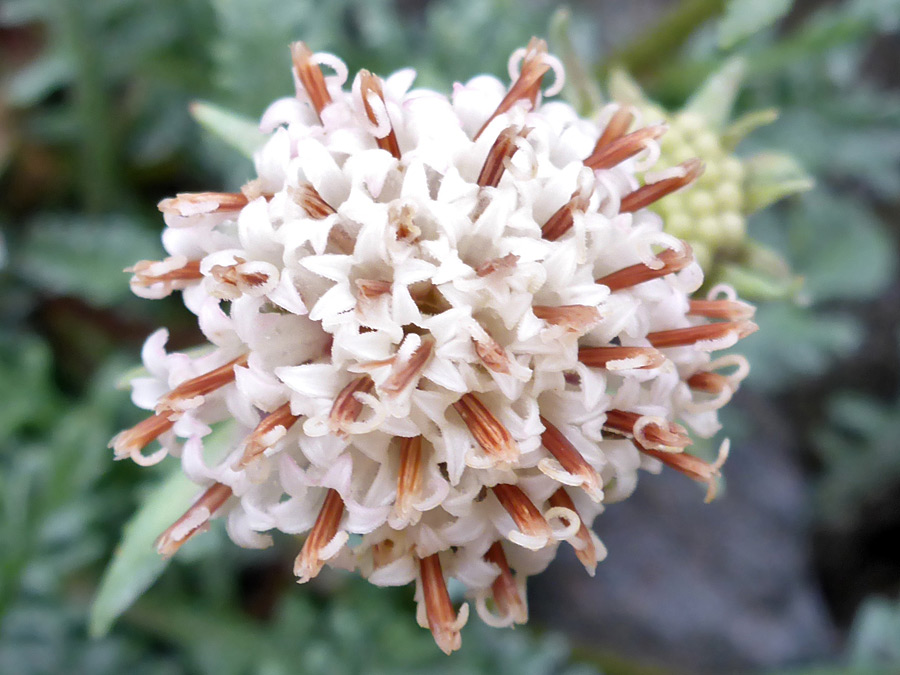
(671,436)
(574,318)
(190,203)
(369,83)
(505,265)
(500,153)
(679,337)
(691,466)
(133,440)
(199,386)
(561,221)
(732,310)
(429,299)
(487,430)
(442,619)
(617,127)
(623,148)
(383,553)
(370,289)
(409,478)
(401,218)
(309,199)
(672,261)
(260,439)
(612,357)
(347,408)
(571,460)
(651,192)
(522,510)
(195,519)
(586,551)
(504,588)
(711,383)
(311,77)
(309,562)
(491,353)
(404,375)
(230,276)
(176,279)
(528,84)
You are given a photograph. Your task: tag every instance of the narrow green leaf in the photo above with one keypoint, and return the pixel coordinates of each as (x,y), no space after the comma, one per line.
(241,133)
(745,125)
(136,565)
(772,176)
(715,98)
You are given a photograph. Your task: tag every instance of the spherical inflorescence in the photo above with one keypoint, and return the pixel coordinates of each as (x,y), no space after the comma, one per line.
(448,328)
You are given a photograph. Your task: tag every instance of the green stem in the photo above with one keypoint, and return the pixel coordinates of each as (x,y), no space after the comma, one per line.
(657,45)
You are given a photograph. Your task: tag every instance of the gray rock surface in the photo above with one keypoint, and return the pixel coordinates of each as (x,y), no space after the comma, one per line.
(699,588)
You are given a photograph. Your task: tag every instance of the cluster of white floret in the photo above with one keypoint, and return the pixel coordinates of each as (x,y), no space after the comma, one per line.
(445,327)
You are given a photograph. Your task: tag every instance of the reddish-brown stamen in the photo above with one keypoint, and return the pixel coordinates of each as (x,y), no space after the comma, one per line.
(524,513)
(403,376)
(505,264)
(347,408)
(528,84)
(679,337)
(617,127)
(500,153)
(131,441)
(309,199)
(571,460)
(619,358)
(504,588)
(621,149)
(672,261)
(491,353)
(310,76)
(370,289)
(229,275)
(586,551)
(442,620)
(671,435)
(732,310)
(691,466)
(711,383)
(309,562)
(488,431)
(561,221)
(176,279)
(409,478)
(261,437)
(574,318)
(651,192)
(195,519)
(190,203)
(199,386)
(371,84)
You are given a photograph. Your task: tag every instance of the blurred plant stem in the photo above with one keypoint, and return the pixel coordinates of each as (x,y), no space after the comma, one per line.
(656,46)
(97,144)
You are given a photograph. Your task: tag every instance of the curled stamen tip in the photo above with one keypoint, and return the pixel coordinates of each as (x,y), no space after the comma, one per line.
(745,328)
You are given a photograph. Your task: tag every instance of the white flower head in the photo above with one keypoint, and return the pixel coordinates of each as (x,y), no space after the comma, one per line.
(448,325)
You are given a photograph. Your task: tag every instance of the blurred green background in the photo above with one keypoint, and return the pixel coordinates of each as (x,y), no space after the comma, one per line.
(795,569)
